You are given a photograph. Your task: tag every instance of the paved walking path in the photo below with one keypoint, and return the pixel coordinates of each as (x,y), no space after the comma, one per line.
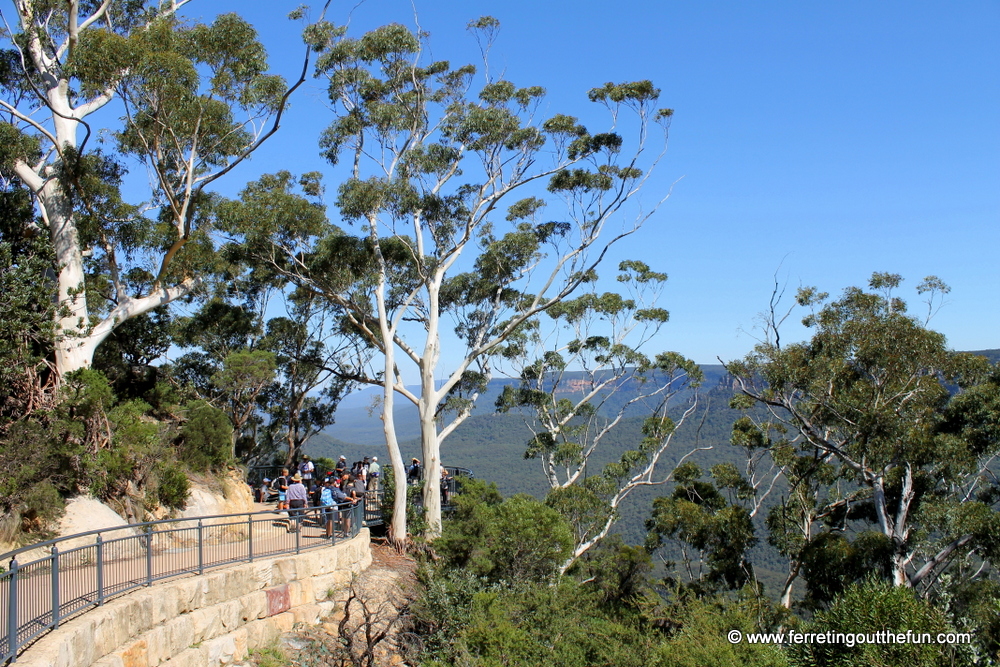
(128,564)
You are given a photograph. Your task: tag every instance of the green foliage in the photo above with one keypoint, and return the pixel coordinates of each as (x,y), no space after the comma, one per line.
(831,563)
(206,437)
(697,515)
(414,511)
(879,426)
(547,626)
(974,607)
(126,356)
(26,308)
(465,620)
(699,634)
(41,503)
(875,606)
(173,488)
(498,540)
(616,572)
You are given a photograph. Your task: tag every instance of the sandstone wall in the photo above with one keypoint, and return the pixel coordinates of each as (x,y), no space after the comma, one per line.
(213,619)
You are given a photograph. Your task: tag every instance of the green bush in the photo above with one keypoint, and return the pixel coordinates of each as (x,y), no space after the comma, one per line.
(519,540)
(876,606)
(173,488)
(700,637)
(206,438)
(464,620)
(42,503)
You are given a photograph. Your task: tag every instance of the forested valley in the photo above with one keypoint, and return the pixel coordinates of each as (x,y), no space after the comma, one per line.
(629,506)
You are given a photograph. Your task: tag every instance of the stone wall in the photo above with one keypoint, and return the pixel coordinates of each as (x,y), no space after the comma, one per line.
(213,619)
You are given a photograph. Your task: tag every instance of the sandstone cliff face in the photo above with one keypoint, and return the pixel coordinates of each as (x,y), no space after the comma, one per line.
(209,497)
(83,514)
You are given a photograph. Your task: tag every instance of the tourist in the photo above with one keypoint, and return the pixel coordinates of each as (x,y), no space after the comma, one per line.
(297,497)
(341,467)
(281,486)
(445,485)
(306,469)
(344,505)
(328,505)
(413,472)
(374,470)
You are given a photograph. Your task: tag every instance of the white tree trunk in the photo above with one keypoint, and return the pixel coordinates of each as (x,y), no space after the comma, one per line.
(430,447)
(397,529)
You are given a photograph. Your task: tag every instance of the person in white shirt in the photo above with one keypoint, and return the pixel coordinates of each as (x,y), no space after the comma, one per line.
(306,468)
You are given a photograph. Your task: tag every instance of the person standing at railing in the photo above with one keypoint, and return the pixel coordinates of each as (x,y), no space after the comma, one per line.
(297,496)
(281,486)
(358,487)
(374,471)
(326,502)
(306,469)
(413,472)
(344,505)
(445,485)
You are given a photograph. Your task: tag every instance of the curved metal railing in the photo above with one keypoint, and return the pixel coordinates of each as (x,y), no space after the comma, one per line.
(44,584)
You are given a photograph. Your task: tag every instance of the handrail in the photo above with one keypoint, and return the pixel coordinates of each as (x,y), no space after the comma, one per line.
(38,595)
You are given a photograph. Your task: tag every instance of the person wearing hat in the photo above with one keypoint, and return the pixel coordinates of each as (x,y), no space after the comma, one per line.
(414,472)
(341,466)
(374,470)
(297,496)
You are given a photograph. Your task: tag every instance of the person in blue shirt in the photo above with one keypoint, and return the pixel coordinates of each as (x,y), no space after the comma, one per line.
(326,501)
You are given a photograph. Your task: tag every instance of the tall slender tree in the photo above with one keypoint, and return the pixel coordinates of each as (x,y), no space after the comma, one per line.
(448,183)
(579,382)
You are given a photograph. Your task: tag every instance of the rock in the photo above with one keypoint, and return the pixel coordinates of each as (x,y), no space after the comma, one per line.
(210,497)
(84,514)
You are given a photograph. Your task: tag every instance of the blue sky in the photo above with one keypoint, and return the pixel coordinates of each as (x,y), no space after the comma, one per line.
(816,141)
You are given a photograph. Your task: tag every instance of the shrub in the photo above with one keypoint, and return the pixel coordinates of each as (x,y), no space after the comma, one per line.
(519,540)
(173,488)
(869,607)
(206,438)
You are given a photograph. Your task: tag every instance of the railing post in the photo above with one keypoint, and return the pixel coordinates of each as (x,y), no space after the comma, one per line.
(149,555)
(12,611)
(201,549)
(55,586)
(298,537)
(250,537)
(100,570)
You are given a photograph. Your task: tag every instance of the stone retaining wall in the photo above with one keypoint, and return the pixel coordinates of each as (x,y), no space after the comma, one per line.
(213,619)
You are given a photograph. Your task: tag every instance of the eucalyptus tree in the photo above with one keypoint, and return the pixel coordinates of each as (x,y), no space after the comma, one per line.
(310,383)
(195,100)
(587,373)
(891,429)
(447,183)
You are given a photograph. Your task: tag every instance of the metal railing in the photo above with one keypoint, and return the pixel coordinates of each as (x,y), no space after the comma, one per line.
(63,577)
